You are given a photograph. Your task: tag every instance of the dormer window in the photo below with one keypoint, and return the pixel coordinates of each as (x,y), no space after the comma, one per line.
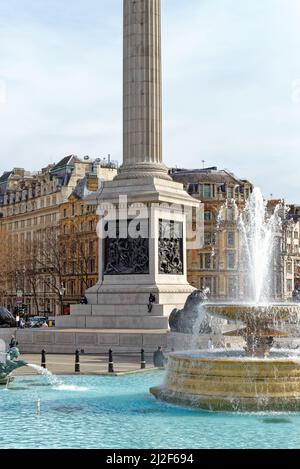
(193,188)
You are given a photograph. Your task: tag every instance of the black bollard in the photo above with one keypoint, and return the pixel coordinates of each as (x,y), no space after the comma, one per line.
(43,360)
(77,362)
(143,361)
(110,362)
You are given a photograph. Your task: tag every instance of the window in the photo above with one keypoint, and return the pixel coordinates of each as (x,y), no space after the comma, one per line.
(207,191)
(91,265)
(230,239)
(289,285)
(230,214)
(209,239)
(193,188)
(232,287)
(71,288)
(230,192)
(208,215)
(207,262)
(211,283)
(74,248)
(230,260)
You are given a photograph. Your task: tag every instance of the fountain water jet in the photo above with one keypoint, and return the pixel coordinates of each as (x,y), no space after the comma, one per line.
(255,378)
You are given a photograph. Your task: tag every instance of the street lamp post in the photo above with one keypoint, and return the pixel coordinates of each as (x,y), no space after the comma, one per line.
(62,291)
(19,302)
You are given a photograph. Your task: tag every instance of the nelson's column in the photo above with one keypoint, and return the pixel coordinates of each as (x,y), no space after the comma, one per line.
(134,266)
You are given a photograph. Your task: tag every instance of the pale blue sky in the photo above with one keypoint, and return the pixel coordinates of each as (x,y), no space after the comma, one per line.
(228,66)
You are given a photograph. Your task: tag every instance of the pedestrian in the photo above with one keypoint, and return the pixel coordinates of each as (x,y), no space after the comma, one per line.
(22,323)
(159,358)
(84,300)
(13,343)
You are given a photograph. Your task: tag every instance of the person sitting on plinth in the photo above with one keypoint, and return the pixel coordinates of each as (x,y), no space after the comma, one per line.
(84,300)
(152,300)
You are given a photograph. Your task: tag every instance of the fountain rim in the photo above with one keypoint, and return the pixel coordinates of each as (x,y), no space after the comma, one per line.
(188,356)
(252,304)
(247,311)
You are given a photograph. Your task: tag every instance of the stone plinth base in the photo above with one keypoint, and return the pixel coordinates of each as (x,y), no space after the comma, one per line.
(126,307)
(90,340)
(178,341)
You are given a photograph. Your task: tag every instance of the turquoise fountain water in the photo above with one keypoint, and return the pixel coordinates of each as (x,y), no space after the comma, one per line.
(110,412)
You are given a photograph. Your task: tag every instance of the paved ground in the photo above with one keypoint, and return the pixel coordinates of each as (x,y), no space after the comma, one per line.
(89,364)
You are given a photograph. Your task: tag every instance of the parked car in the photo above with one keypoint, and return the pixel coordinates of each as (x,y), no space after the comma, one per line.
(37,321)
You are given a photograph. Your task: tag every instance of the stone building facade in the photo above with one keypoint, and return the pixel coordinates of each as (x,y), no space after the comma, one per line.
(218,264)
(79,241)
(30,209)
(288,271)
(293,248)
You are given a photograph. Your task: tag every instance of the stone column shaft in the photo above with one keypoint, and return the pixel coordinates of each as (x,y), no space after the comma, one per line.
(142,93)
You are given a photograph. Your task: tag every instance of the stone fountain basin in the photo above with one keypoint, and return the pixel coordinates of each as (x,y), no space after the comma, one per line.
(246,312)
(219,380)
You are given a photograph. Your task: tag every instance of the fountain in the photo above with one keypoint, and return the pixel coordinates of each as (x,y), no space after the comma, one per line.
(8,363)
(254,378)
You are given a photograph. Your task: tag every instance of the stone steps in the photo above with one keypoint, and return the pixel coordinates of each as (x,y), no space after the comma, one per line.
(112,322)
(120,295)
(122,310)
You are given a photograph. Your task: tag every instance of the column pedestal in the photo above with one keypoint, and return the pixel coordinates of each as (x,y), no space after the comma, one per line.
(120,299)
